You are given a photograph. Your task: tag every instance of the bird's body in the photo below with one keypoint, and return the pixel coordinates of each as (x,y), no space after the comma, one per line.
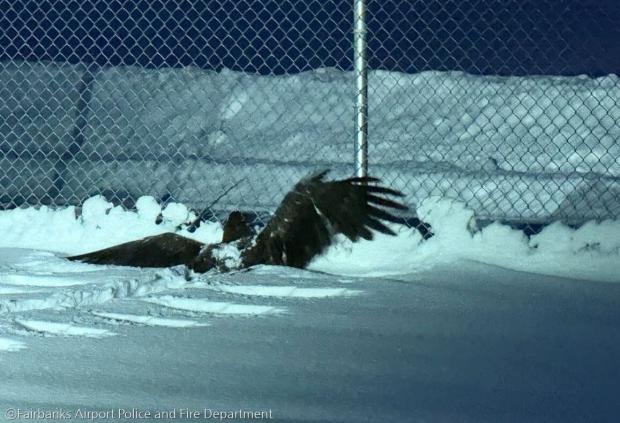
(302,227)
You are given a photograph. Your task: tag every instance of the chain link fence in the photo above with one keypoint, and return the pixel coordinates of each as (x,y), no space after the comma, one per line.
(191,101)
(482,113)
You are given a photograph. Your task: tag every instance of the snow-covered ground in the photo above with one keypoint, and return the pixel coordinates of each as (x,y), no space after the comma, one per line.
(35,278)
(397,329)
(462,342)
(535,148)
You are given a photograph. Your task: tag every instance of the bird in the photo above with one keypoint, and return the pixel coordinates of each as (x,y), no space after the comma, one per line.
(302,227)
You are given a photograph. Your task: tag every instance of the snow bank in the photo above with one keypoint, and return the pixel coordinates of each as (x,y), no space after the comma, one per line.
(38,107)
(100,224)
(536,148)
(25,180)
(590,252)
(509,147)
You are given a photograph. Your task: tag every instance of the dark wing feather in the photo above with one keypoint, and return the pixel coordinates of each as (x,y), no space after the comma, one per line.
(235,228)
(315,210)
(163,250)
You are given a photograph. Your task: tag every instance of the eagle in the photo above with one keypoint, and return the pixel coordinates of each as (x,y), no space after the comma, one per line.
(303,226)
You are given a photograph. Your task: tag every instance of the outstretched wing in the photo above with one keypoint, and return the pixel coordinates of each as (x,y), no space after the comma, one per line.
(315,210)
(163,250)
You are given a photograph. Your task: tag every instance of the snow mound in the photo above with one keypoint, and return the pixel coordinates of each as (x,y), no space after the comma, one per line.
(520,147)
(100,225)
(591,252)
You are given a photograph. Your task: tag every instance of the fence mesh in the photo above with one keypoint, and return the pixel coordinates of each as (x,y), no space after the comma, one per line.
(187,100)
(480,122)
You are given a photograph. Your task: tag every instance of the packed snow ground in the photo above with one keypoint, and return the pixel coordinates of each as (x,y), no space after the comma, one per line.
(536,148)
(461,342)
(87,300)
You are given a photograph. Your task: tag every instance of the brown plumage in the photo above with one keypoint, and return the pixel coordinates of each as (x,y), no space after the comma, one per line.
(236,228)
(163,250)
(303,226)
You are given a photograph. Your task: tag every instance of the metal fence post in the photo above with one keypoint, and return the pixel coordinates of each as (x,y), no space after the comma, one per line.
(361,83)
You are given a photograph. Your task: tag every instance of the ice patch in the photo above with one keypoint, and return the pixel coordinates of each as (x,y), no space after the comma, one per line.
(205,306)
(150,320)
(62,329)
(11,345)
(287,291)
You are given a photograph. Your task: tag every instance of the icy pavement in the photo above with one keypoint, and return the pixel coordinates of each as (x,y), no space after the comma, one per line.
(465,342)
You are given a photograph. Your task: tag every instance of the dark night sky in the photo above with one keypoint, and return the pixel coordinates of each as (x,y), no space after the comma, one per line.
(287,36)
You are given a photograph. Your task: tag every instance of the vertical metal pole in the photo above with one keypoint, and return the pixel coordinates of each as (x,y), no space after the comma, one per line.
(361,83)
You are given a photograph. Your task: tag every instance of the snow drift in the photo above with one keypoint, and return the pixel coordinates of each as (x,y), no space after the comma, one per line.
(590,252)
(537,148)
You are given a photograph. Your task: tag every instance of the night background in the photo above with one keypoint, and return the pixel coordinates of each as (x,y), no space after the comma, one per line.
(120,125)
(507,37)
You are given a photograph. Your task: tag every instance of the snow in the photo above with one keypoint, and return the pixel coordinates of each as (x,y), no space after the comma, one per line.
(463,342)
(148,208)
(591,252)
(229,254)
(539,148)
(11,345)
(38,106)
(62,329)
(99,225)
(149,320)
(34,276)
(177,214)
(443,328)
(497,143)
(288,291)
(476,324)
(205,306)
